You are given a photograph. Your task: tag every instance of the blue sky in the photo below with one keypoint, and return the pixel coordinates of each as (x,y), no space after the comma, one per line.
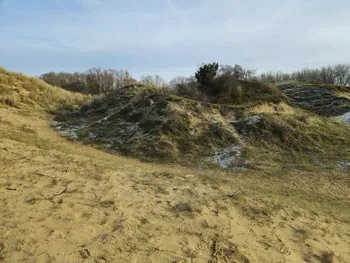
(172,37)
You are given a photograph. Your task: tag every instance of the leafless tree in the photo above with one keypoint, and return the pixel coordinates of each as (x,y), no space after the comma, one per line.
(237,71)
(173,83)
(273,77)
(99,80)
(93,81)
(338,74)
(186,87)
(155,80)
(342,74)
(122,78)
(50,78)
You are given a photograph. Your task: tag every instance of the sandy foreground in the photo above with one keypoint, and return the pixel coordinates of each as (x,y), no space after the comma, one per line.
(61,201)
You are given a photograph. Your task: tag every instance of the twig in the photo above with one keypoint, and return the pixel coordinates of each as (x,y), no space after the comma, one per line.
(63,191)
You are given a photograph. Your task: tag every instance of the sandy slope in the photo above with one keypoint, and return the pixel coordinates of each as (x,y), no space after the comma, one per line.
(64,202)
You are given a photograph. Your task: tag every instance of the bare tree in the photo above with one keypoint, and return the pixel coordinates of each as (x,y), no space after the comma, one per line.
(273,77)
(69,81)
(237,71)
(122,78)
(342,74)
(93,81)
(186,87)
(50,78)
(338,74)
(154,80)
(99,80)
(173,83)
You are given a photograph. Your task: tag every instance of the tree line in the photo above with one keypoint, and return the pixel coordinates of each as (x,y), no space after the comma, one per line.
(98,80)
(335,75)
(93,81)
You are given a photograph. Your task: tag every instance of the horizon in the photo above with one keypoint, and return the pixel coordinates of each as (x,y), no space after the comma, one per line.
(171,38)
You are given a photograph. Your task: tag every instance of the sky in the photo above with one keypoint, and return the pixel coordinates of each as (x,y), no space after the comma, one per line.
(172,37)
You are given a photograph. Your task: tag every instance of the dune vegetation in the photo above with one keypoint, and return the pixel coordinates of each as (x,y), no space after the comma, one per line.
(229,170)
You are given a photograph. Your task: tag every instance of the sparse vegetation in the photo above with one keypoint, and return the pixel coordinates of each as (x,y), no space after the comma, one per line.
(332,75)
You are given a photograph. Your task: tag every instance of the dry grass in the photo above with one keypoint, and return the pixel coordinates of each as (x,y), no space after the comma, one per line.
(18,90)
(273,108)
(344,94)
(293,139)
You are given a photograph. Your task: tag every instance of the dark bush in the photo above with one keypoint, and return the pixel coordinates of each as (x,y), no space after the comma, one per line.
(206,73)
(227,89)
